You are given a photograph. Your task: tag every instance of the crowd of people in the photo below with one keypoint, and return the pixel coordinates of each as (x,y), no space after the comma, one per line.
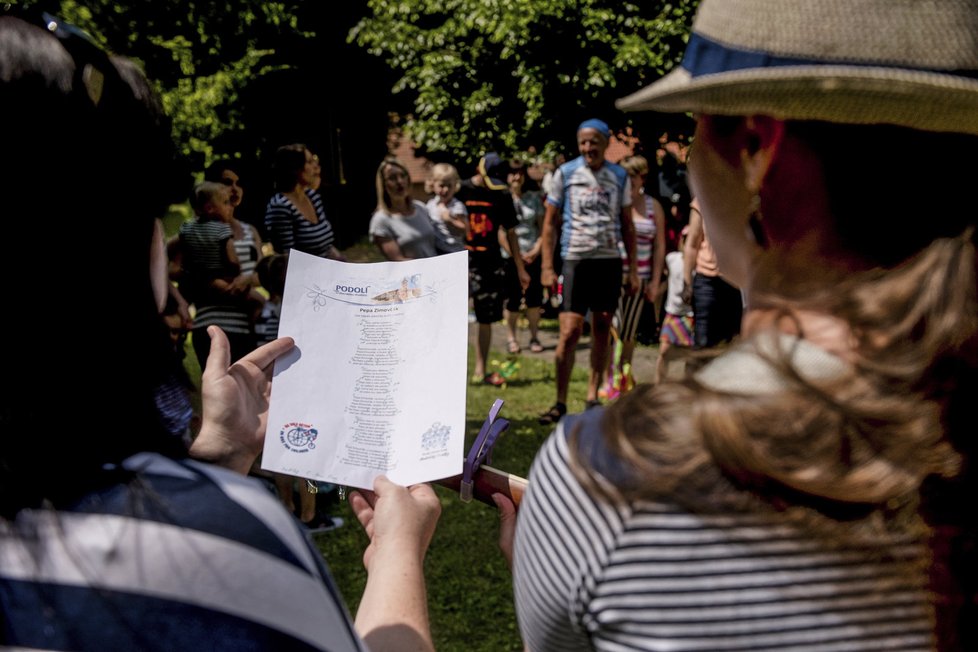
(804,486)
(584,215)
(527,242)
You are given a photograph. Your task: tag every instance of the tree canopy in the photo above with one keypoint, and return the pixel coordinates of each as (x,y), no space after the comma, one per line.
(200,55)
(239,78)
(511,75)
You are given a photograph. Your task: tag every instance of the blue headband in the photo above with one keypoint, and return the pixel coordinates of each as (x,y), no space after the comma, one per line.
(599,126)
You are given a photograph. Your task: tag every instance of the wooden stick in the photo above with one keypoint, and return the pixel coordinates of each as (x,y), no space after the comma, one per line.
(487,481)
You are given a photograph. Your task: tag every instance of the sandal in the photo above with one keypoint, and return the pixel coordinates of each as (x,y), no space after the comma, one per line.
(592,404)
(535,346)
(513,346)
(553,415)
(495,378)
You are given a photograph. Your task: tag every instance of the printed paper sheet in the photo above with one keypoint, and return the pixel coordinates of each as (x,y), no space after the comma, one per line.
(376,383)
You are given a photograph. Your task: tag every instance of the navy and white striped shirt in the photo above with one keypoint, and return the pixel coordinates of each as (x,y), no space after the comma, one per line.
(652,576)
(186,557)
(288,229)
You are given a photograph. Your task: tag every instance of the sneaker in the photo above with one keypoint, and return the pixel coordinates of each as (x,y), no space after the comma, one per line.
(324,524)
(553,415)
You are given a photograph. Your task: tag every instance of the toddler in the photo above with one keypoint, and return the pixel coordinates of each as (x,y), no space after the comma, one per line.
(448,215)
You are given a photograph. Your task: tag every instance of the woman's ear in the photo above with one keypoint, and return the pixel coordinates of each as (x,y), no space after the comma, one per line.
(762,142)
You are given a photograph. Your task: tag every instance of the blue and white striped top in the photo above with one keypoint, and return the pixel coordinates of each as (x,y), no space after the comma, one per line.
(187,556)
(247,249)
(653,576)
(288,229)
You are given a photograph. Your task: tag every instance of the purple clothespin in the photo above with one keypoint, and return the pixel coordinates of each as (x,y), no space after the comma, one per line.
(481,451)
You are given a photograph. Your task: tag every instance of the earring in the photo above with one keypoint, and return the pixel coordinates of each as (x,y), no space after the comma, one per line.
(754,222)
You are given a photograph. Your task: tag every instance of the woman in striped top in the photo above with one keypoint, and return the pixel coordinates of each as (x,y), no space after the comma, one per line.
(127,543)
(204,260)
(295,217)
(246,239)
(784,496)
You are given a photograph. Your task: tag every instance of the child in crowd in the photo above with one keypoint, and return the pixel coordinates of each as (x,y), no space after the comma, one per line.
(208,262)
(204,263)
(448,215)
(677,319)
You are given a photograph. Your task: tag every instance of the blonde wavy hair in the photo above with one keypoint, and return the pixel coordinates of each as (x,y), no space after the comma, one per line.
(847,455)
(383,199)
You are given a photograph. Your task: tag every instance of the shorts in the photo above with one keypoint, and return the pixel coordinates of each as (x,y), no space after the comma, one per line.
(515,297)
(487,288)
(677,330)
(591,284)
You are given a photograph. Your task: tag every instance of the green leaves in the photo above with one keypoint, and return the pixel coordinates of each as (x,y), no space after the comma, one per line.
(518,74)
(200,55)
(204,107)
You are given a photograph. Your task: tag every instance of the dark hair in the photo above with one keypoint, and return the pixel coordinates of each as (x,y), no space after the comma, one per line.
(218,167)
(271,272)
(288,163)
(67,104)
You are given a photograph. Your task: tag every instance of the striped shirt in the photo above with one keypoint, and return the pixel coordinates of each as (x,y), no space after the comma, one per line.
(231,319)
(288,229)
(652,576)
(645,231)
(187,557)
(247,249)
(204,258)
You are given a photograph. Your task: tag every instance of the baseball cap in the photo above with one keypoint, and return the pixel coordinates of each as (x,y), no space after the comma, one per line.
(494,170)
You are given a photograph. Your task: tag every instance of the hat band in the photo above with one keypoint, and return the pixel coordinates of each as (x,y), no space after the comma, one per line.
(708,57)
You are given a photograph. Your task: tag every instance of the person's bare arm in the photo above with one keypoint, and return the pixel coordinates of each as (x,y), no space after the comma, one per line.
(400,521)
(183,306)
(694,238)
(336,254)
(534,252)
(514,245)
(628,237)
(390,248)
(551,222)
(503,237)
(658,251)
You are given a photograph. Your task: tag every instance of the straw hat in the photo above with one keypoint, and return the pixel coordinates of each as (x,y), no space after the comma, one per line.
(912,63)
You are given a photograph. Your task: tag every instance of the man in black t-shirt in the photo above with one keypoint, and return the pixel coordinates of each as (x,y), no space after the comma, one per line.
(490,206)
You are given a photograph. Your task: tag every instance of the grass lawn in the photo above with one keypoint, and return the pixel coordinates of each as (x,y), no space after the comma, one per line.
(469,584)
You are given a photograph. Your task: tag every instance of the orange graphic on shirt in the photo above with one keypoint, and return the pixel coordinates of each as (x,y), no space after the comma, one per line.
(480,226)
(479,223)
